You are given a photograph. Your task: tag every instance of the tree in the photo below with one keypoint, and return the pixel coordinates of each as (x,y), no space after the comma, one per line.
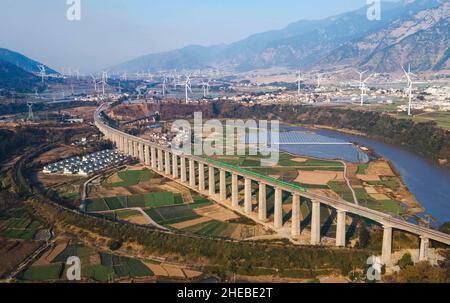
(363,235)
(405,261)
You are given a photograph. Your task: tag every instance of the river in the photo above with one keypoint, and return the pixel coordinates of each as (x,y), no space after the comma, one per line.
(428,181)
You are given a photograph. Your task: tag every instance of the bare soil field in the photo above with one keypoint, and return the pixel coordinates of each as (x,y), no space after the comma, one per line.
(84,112)
(139,220)
(48,257)
(174,270)
(319,177)
(299,160)
(63,152)
(190,223)
(52,180)
(216,212)
(369,178)
(380,168)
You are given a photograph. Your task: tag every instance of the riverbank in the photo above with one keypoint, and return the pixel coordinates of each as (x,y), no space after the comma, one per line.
(441,162)
(424,179)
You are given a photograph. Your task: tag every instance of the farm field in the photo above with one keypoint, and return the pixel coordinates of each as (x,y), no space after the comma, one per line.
(96,266)
(441,118)
(19,228)
(147,200)
(130,178)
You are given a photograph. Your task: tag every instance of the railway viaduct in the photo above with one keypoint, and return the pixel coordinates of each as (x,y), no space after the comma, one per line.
(191,171)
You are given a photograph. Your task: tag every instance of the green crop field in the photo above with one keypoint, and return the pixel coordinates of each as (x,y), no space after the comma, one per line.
(132,178)
(94,205)
(148,200)
(210,229)
(199,202)
(97,266)
(113,203)
(50,272)
(20,228)
(171,214)
(441,118)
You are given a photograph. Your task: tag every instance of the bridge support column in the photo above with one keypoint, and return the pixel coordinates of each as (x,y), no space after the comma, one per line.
(141,153)
(122,145)
(315,223)
(340,231)
(201,177)
(424,246)
(295,225)
(183,169)
(262,202)
(174,166)
(130,148)
(223,186)
(211,181)
(167,163)
(160,160)
(386,252)
(147,155)
(248,196)
(192,181)
(135,150)
(278,211)
(234,191)
(153,152)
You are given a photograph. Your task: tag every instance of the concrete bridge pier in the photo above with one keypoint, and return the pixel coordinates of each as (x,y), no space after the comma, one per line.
(160,160)
(340,231)
(234,191)
(201,177)
(278,212)
(386,253)
(223,186)
(135,150)
(295,227)
(130,148)
(248,196)
(141,153)
(262,202)
(315,223)
(147,155)
(192,181)
(211,181)
(183,169)
(424,247)
(174,166)
(153,152)
(167,163)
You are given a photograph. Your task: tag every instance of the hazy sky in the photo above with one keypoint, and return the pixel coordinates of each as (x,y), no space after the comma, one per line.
(113,31)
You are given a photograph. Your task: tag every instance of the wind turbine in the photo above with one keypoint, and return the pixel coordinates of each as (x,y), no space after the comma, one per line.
(409,87)
(104,81)
(188,87)
(94,81)
(205,87)
(362,84)
(299,82)
(42,72)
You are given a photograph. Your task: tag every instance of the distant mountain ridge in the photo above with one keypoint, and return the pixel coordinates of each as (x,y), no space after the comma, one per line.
(19,73)
(23,62)
(15,78)
(333,41)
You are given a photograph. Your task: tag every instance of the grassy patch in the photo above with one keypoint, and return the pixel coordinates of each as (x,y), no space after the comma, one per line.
(44,273)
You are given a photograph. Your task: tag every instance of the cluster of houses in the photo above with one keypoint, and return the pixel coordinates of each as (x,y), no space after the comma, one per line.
(86,165)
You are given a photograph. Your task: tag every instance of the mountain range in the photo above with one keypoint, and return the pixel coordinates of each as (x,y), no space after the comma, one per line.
(19,72)
(413,31)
